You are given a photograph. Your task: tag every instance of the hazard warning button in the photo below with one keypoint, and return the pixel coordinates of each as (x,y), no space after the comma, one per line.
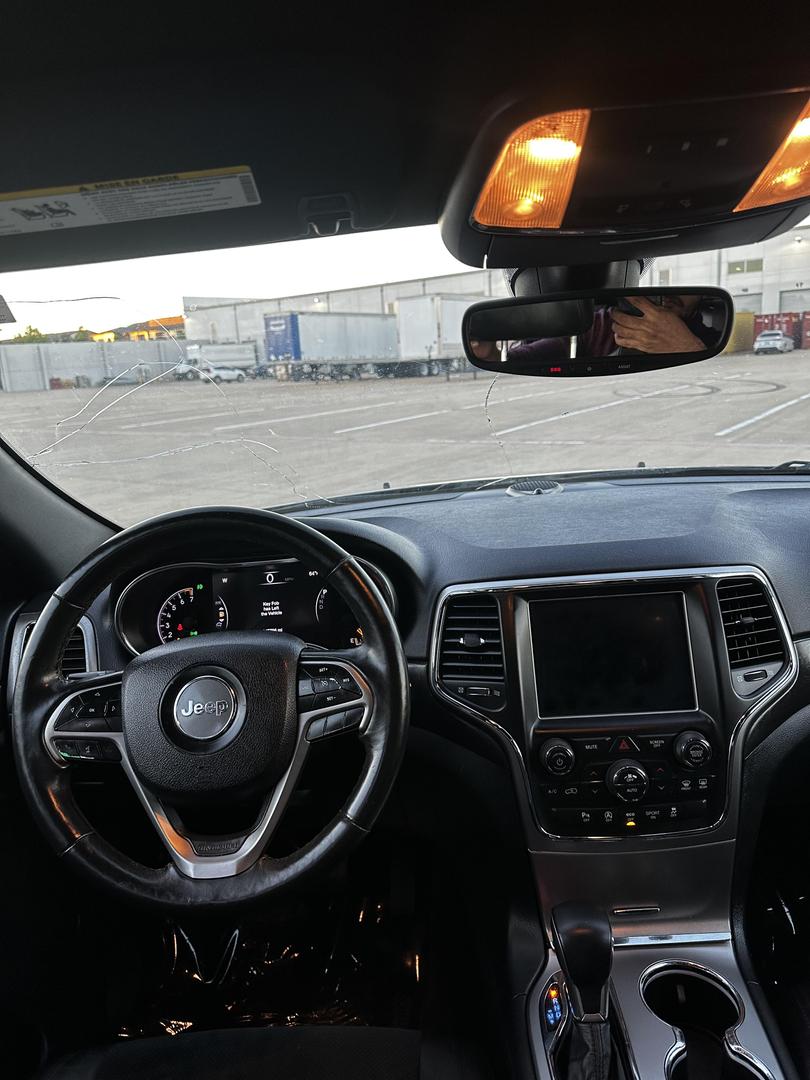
(624,745)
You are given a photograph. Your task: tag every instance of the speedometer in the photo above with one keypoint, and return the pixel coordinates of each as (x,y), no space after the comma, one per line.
(182,615)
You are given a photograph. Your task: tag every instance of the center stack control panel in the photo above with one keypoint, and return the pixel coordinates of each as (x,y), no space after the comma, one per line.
(623,783)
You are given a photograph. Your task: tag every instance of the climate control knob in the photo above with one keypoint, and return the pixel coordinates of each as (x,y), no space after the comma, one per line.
(692,749)
(627,780)
(557,757)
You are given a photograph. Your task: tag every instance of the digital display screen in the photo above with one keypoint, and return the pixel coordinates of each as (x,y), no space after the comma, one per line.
(606,655)
(275,597)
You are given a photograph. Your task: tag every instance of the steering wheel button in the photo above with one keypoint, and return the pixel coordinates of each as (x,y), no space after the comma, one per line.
(325,685)
(66,748)
(347,695)
(319,671)
(316,729)
(90,723)
(335,722)
(352,718)
(89,710)
(109,751)
(328,700)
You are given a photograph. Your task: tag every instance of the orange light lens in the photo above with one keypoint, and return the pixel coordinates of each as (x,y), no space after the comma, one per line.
(530,184)
(787,174)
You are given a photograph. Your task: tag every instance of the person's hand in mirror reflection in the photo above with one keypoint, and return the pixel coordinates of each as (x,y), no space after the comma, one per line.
(486,350)
(673,326)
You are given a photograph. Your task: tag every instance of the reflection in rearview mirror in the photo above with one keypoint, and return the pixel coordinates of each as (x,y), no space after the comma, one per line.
(598,333)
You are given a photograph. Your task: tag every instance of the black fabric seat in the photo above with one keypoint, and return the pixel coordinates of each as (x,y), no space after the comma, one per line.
(299,1053)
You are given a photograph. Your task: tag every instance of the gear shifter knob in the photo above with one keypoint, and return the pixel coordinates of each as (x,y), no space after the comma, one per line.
(584,946)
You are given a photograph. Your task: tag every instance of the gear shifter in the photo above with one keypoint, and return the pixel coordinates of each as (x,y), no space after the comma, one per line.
(584,946)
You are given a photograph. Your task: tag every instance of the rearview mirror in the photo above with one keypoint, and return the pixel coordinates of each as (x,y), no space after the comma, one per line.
(598,332)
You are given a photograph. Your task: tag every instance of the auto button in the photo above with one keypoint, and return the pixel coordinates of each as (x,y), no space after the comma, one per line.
(627,780)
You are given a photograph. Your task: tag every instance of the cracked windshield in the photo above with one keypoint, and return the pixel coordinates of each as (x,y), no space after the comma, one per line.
(306,371)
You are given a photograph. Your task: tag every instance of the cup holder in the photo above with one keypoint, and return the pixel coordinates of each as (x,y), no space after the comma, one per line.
(705,1011)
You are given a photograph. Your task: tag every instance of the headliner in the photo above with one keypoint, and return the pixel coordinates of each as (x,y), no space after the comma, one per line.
(324,104)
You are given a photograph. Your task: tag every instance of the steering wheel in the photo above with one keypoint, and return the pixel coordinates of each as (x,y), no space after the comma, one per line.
(215,719)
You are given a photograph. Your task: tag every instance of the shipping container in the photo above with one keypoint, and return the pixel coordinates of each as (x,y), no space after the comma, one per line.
(789,322)
(742,332)
(430,326)
(231,356)
(330,338)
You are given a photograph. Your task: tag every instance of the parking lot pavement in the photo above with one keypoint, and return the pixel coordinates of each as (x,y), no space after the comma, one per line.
(134,451)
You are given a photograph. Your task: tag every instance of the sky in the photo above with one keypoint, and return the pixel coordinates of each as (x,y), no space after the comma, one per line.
(154,287)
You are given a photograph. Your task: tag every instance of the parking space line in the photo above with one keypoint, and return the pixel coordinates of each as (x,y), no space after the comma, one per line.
(385,423)
(517,397)
(761,416)
(307,416)
(183,416)
(592,408)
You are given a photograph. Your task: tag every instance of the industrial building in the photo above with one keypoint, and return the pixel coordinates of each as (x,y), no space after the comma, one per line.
(230,320)
(772,276)
(763,278)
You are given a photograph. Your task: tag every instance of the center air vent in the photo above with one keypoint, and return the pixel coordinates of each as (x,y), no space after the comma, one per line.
(756,649)
(470,659)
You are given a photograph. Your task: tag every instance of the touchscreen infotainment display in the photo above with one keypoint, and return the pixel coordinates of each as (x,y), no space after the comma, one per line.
(603,655)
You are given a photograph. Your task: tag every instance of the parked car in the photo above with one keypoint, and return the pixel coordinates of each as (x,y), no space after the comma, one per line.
(186,371)
(773,341)
(222,374)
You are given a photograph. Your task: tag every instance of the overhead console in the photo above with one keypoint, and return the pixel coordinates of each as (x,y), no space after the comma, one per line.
(624,693)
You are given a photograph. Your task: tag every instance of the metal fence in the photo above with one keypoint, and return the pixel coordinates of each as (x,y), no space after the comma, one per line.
(84,363)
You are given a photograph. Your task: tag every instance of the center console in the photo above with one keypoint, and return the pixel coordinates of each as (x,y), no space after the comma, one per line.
(623,693)
(622,708)
(622,702)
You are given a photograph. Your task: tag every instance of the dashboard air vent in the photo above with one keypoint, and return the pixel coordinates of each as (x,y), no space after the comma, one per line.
(471,651)
(749,624)
(74,658)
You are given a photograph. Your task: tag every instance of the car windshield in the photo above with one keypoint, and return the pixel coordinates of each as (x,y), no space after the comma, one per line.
(306,371)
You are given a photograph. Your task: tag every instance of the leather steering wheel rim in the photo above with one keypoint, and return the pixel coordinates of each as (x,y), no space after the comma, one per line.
(41,689)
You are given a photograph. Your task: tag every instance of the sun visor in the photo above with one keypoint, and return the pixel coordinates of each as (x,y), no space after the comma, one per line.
(582,185)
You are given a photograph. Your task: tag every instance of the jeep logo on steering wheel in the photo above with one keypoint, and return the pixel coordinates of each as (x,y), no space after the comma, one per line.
(204,708)
(217,708)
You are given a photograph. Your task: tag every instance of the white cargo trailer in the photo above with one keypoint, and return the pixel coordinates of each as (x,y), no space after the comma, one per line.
(430,330)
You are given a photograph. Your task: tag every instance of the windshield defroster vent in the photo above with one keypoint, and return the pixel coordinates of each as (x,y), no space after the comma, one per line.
(756,649)
(470,661)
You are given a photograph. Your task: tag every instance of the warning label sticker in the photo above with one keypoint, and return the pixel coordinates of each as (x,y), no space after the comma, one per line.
(112,201)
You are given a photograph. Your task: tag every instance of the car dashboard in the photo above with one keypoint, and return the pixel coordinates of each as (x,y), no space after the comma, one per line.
(620,649)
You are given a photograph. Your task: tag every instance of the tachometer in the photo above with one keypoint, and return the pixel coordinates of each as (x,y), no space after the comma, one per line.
(183,615)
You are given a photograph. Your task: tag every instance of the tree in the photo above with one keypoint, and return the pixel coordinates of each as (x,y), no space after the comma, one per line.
(83,334)
(30,334)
